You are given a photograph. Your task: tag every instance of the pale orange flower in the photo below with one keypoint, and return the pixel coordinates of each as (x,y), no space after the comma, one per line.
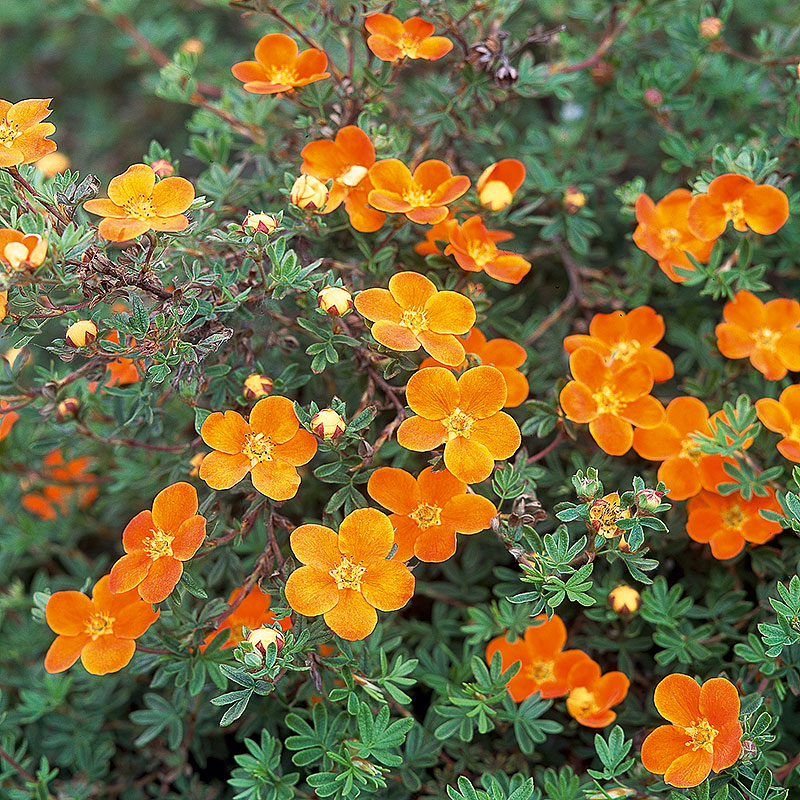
(7,419)
(392,40)
(781,416)
(498,182)
(65,482)
(23,135)
(19,250)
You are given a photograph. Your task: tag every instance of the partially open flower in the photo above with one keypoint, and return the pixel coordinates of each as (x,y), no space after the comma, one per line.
(67,408)
(261,638)
(256,386)
(335,300)
(309,192)
(260,223)
(574,200)
(19,250)
(498,182)
(624,599)
(327,424)
(81,333)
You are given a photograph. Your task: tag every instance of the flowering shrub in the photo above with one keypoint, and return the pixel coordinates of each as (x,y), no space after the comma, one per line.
(415,412)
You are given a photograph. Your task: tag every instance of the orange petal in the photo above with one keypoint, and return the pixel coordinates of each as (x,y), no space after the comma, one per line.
(432,393)
(107,654)
(395,489)
(249,72)
(395,337)
(376,304)
(680,476)
(102,207)
(66,612)
(774,415)
(499,434)
(578,403)
(391,174)
(706,218)
(366,535)
(406,532)
(420,434)
(122,230)
(384,24)
(517,389)
(384,48)
(434,48)
(387,585)
(450,312)
(482,392)
(129,571)
(384,200)
(221,470)
(412,290)
(726,543)
(172,196)
(274,417)
(276,50)
(468,513)
(727,746)
(468,460)
(656,444)
(766,209)
(174,505)
(418,28)
(277,480)
(645,326)
(719,702)
(677,699)
(613,435)
(64,652)
(644,412)
(162,578)
(309,591)
(444,347)
(733,341)
(428,215)
(225,432)
(134,618)
(435,544)
(663,746)
(190,536)
(299,450)
(689,770)
(588,368)
(138,179)
(547,638)
(352,618)
(316,546)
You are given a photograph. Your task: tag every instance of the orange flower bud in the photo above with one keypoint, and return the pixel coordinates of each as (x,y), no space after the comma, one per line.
(260,223)
(67,408)
(309,192)
(52,164)
(81,333)
(710,27)
(327,424)
(335,300)
(574,200)
(256,386)
(162,168)
(624,599)
(260,638)
(193,45)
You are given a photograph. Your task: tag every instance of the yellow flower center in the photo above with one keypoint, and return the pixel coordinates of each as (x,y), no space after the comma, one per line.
(99,624)
(670,237)
(416,319)
(734,517)
(140,207)
(625,350)
(691,450)
(607,402)
(735,212)
(495,195)
(158,544)
(581,701)
(605,515)
(353,175)
(348,575)
(8,133)
(458,424)
(416,196)
(282,75)
(426,515)
(16,254)
(482,253)
(701,735)
(540,671)
(766,338)
(257,447)
(409,44)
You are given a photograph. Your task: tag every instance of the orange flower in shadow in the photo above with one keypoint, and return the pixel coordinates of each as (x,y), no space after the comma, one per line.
(474,248)
(428,511)
(23,135)
(545,665)
(19,250)
(413,313)
(704,733)
(278,66)
(501,353)
(392,40)
(591,694)
(120,371)
(738,199)
(664,234)
(627,338)
(346,576)
(498,182)
(137,204)
(781,416)
(346,161)
(611,402)
(423,197)
(463,415)
(7,419)
(101,630)
(251,613)
(65,482)
(766,333)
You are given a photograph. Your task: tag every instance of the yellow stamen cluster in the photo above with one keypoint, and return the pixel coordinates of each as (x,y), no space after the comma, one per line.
(282,75)
(670,237)
(257,447)
(458,424)
(701,735)
(416,319)
(540,671)
(158,544)
(99,624)
(417,196)
(735,211)
(426,515)
(482,253)
(626,350)
(8,133)
(605,515)
(607,401)
(139,207)
(348,575)
(734,517)
(766,338)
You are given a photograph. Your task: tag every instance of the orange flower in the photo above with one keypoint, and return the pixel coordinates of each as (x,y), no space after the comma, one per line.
(120,371)
(501,353)
(23,135)
(412,313)
(157,543)
(392,40)
(278,66)
(545,664)
(428,511)
(664,234)
(251,613)
(440,232)
(704,734)
(766,333)
(345,161)
(66,482)
(137,204)
(605,513)
(611,402)
(269,447)
(101,630)
(474,248)
(463,415)
(346,575)
(726,523)
(498,182)
(3,304)
(7,419)
(623,339)
(422,197)
(762,208)
(591,694)
(19,250)
(781,416)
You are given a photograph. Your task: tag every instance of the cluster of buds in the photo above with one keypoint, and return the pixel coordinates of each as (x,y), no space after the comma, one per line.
(260,223)
(327,424)
(624,600)
(81,333)
(335,301)
(309,193)
(256,386)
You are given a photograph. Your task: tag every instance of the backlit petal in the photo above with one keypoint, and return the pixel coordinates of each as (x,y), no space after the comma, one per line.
(677,699)
(277,480)
(174,505)
(107,654)
(395,489)
(316,546)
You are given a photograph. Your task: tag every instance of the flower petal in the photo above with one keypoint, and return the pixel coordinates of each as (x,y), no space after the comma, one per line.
(64,652)
(277,480)
(433,393)
(412,290)
(162,578)
(387,585)
(766,209)
(395,489)
(450,312)
(67,612)
(274,417)
(221,470)
(225,432)
(395,337)
(420,434)
(134,619)
(499,434)
(352,618)
(276,50)
(577,402)
(663,746)
(309,591)
(172,196)
(107,654)
(468,460)
(317,546)
(468,513)
(689,770)
(129,571)
(174,505)
(366,535)
(299,450)
(443,347)
(378,304)
(482,392)
(677,699)
(138,179)
(190,536)
(613,435)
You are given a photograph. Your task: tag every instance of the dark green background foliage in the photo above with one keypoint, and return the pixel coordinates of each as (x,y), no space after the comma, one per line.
(413,709)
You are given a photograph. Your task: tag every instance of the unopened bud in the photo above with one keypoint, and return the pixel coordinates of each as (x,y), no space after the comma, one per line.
(261,638)
(162,168)
(648,500)
(574,200)
(710,27)
(327,424)
(654,97)
(602,73)
(81,333)
(309,192)
(749,749)
(256,386)
(193,45)
(624,599)
(67,409)
(335,300)
(260,223)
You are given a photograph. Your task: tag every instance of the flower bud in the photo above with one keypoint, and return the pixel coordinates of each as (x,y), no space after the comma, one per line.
(710,27)
(654,97)
(574,200)
(51,164)
(162,168)
(327,424)
(260,638)
(67,409)
(648,500)
(81,333)
(260,223)
(602,73)
(309,192)
(193,45)
(749,750)
(256,386)
(335,300)
(624,599)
